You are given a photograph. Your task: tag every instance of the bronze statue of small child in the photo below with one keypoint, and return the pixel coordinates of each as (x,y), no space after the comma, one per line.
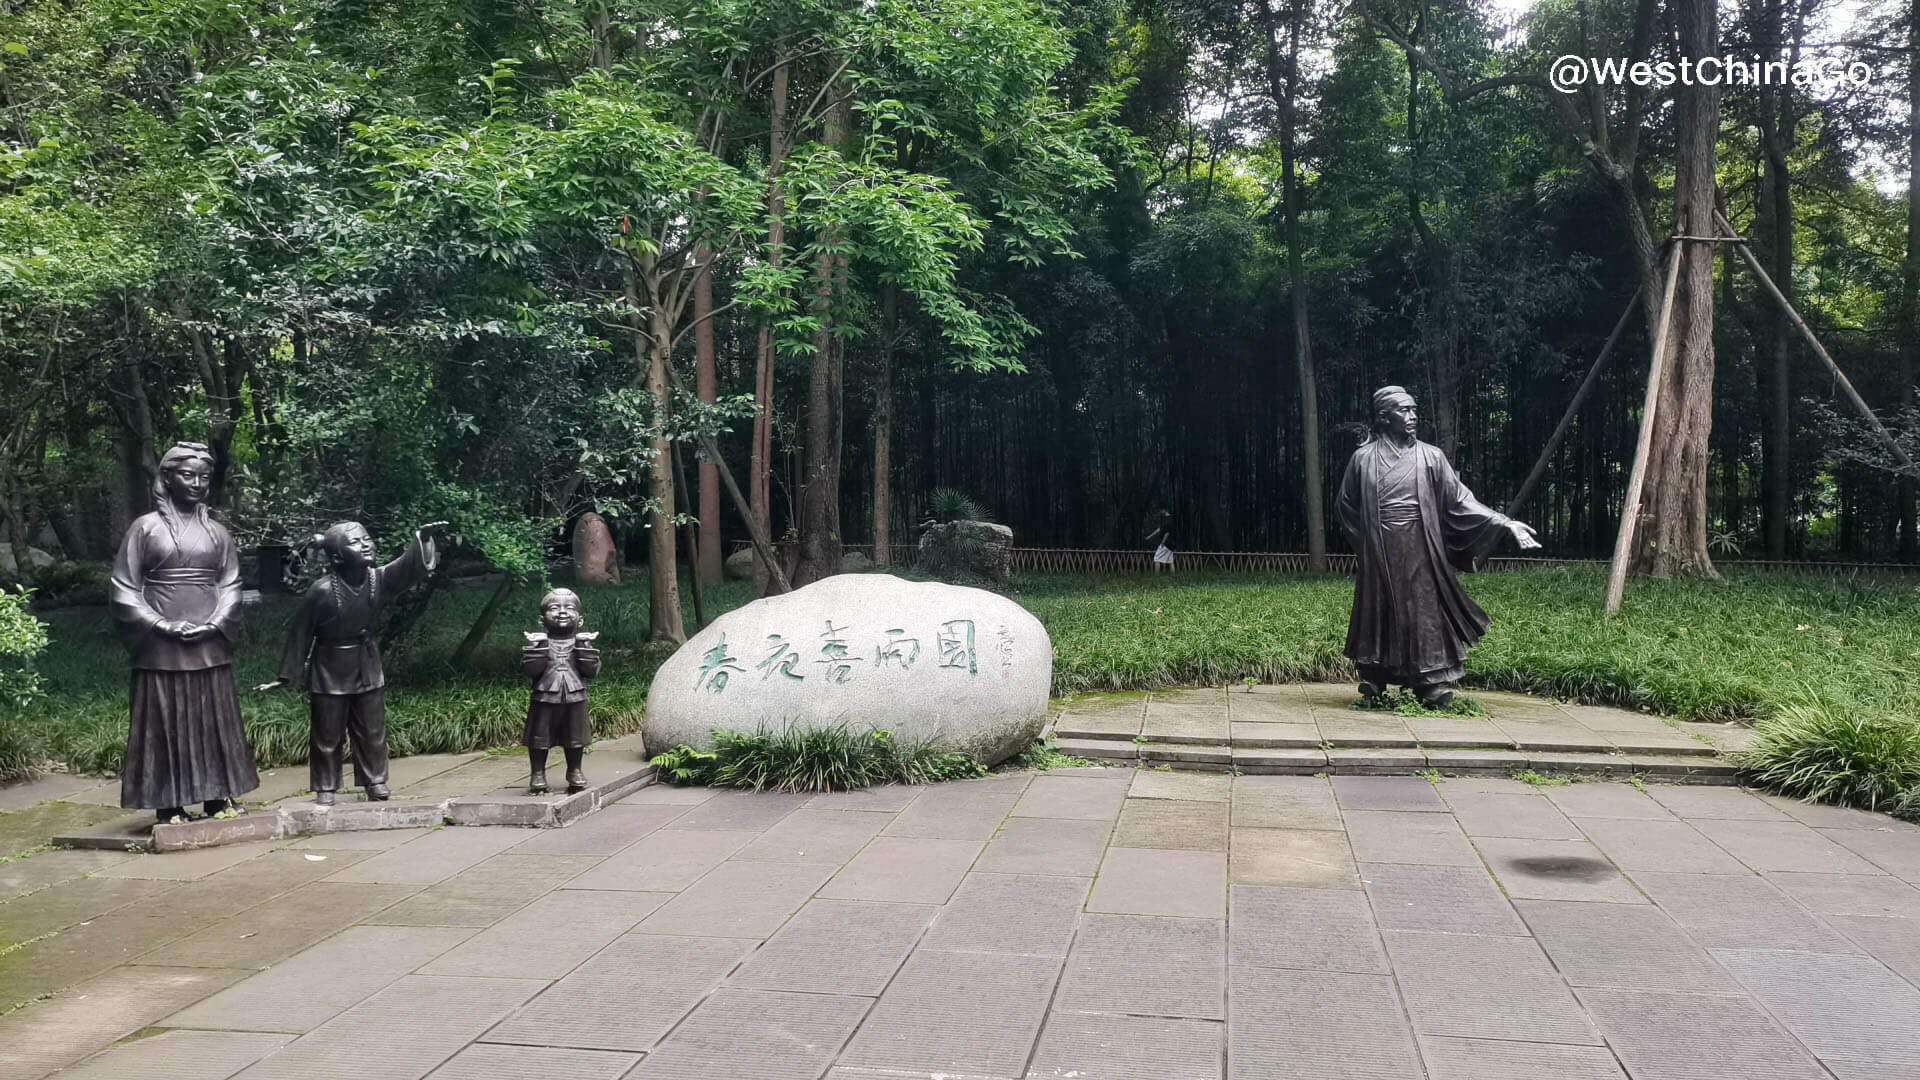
(559,661)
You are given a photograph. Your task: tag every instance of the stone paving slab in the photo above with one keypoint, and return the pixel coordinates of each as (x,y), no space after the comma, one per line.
(1669,1036)
(1530,816)
(62,1029)
(1393,836)
(756,1035)
(1666,844)
(665,860)
(1174,824)
(483,894)
(265,935)
(1841,1007)
(1473,986)
(1300,858)
(829,837)
(1317,1025)
(1490,1059)
(1443,899)
(838,947)
(319,984)
(1555,870)
(1622,946)
(1129,1047)
(1089,798)
(1137,881)
(493,1061)
(400,1033)
(628,996)
(1283,802)
(952,1012)
(1316,929)
(179,1055)
(741,900)
(49,868)
(904,870)
(1386,793)
(549,937)
(1727,912)
(1045,846)
(1028,915)
(1851,894)
(1146,966)
(1783,845)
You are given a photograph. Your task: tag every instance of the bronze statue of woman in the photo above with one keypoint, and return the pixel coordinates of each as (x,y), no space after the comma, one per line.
(176,604)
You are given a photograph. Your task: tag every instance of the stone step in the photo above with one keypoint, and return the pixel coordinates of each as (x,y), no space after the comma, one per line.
(1099,749)
(1065,730)
(1187,753)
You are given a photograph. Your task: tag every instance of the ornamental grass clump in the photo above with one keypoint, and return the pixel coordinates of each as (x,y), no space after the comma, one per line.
(1831,754)
(811,759)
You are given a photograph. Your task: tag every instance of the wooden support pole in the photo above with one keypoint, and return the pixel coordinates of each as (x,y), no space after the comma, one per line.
(692,532)
(1580,397)
(1859,404)
(1643,447)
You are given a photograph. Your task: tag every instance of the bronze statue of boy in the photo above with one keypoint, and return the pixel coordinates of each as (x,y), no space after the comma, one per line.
(559,661)
(333,649)
(1412,524)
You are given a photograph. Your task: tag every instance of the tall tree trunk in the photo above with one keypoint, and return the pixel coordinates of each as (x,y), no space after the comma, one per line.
(139,458)
(820,539)
(883,429)
(760,478)
(1673,532)
(1773,232)
(709,564)
(1905,492)
(1283,83)
(654,349)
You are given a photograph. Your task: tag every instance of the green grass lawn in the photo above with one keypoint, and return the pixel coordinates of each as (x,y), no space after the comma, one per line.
(1736,649)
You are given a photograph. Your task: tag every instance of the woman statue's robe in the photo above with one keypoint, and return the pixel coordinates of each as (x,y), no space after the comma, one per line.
(1412,522)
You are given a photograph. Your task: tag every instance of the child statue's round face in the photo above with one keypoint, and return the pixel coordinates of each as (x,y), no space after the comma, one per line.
(561,615)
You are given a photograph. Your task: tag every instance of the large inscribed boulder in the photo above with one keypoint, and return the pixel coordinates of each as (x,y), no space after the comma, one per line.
(961,669)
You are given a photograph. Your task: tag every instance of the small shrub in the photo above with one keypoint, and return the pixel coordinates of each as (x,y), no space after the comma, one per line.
(685,766)
(952,504)
(1831,754)
(931,768)
(72,584)
(22,637)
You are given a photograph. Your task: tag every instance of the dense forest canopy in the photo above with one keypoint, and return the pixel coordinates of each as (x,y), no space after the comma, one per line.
(494,262)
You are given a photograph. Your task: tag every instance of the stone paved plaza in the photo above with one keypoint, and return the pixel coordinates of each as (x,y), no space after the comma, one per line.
(1132,924)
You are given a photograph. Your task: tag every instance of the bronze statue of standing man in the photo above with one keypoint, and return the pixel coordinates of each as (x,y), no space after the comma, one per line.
(1412,523)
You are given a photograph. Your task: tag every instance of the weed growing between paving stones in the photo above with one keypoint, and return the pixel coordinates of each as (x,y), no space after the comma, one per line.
(820,759)
(1044,755)
(1404,703)
(1836,754)
(1528,776)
